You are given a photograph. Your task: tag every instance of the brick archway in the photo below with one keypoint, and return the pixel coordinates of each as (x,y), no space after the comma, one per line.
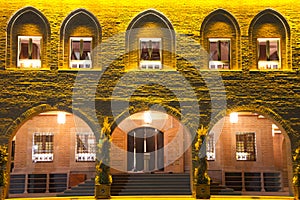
(176,145)
(280,140)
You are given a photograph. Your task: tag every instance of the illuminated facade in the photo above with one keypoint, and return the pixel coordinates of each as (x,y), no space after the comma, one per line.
(158,71)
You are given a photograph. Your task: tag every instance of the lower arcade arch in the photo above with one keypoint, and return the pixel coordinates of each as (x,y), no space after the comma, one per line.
(151,141)
(51,152)
(250,153)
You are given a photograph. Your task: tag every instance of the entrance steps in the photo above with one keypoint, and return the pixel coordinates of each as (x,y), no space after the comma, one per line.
(146,184)
(151,184)
(83,189)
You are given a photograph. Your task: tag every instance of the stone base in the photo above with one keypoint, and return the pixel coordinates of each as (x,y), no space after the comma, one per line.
(201,191)
(102,191)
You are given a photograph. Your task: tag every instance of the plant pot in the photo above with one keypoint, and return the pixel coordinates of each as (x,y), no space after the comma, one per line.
(102,191)
(296,192)
(202,191)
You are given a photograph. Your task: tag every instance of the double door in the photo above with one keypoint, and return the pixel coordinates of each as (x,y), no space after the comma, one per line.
(145,150)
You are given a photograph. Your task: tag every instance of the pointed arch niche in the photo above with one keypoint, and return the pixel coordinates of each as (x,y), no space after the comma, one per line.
(271,28)
(220,34)
(80,31)
(32,25)
(150,31)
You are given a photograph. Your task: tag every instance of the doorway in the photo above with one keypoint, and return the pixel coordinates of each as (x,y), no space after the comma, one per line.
(145,152)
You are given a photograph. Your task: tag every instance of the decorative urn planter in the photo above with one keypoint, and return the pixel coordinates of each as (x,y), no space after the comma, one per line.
(202,191)
(102,191)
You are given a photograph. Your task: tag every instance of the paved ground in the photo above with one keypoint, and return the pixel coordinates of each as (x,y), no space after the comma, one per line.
(160,198)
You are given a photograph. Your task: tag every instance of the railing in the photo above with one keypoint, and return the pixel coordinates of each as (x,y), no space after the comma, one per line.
(42,157)
(81,64)
(242,155)
(254,181)
(38,183)
(269,65)
(29,63)
(85,157)
(150,65)
(218,65)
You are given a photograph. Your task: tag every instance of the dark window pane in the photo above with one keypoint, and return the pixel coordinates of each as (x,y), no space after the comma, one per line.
(274,50)
(214,51)
(30,48)
(262,51)
(81,50)
(245,144)
(150,50)
(155,54)
(43,142)
(224,49)
(24,51)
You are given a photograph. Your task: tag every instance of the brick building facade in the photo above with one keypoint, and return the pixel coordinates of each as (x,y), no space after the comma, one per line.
(257,45)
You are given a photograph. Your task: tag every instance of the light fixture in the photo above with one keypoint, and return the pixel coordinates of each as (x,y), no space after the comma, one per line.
(61,117)
(234,117)
(147,117)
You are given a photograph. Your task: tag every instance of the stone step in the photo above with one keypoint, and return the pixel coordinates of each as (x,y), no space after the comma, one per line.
(147,184)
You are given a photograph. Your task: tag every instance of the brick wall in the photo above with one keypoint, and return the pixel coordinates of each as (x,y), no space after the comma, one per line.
(64,146)
(25,93)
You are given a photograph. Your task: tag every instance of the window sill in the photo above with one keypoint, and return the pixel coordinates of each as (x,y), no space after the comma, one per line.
(27,69)
(222,70)
(80,69)
(272,70)
(150,70)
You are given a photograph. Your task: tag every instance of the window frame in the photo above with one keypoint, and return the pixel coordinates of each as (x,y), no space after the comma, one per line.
(210,147)
(268,64)
(47,155)
(220,64)
(150,64)
(80,63)
(29,62)
(246,154)
(90,154)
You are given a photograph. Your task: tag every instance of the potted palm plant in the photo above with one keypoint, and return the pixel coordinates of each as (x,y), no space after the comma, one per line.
(201,178)
(296,177)
(3,173)
(103,178)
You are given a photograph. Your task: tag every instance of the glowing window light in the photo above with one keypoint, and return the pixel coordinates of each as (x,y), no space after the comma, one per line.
(147,117)
(61,118)
(234,117)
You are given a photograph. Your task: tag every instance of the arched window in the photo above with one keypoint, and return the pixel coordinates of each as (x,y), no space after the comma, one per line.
(269,35)
(220,32)
(80,35)
(28,33)
(150,42)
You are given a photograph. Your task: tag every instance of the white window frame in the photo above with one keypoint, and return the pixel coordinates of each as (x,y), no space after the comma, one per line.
(210,146)
(150,64)
(274,64)
(81,64)
(26,62)
(220,64)
(44,156)
(89,156)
